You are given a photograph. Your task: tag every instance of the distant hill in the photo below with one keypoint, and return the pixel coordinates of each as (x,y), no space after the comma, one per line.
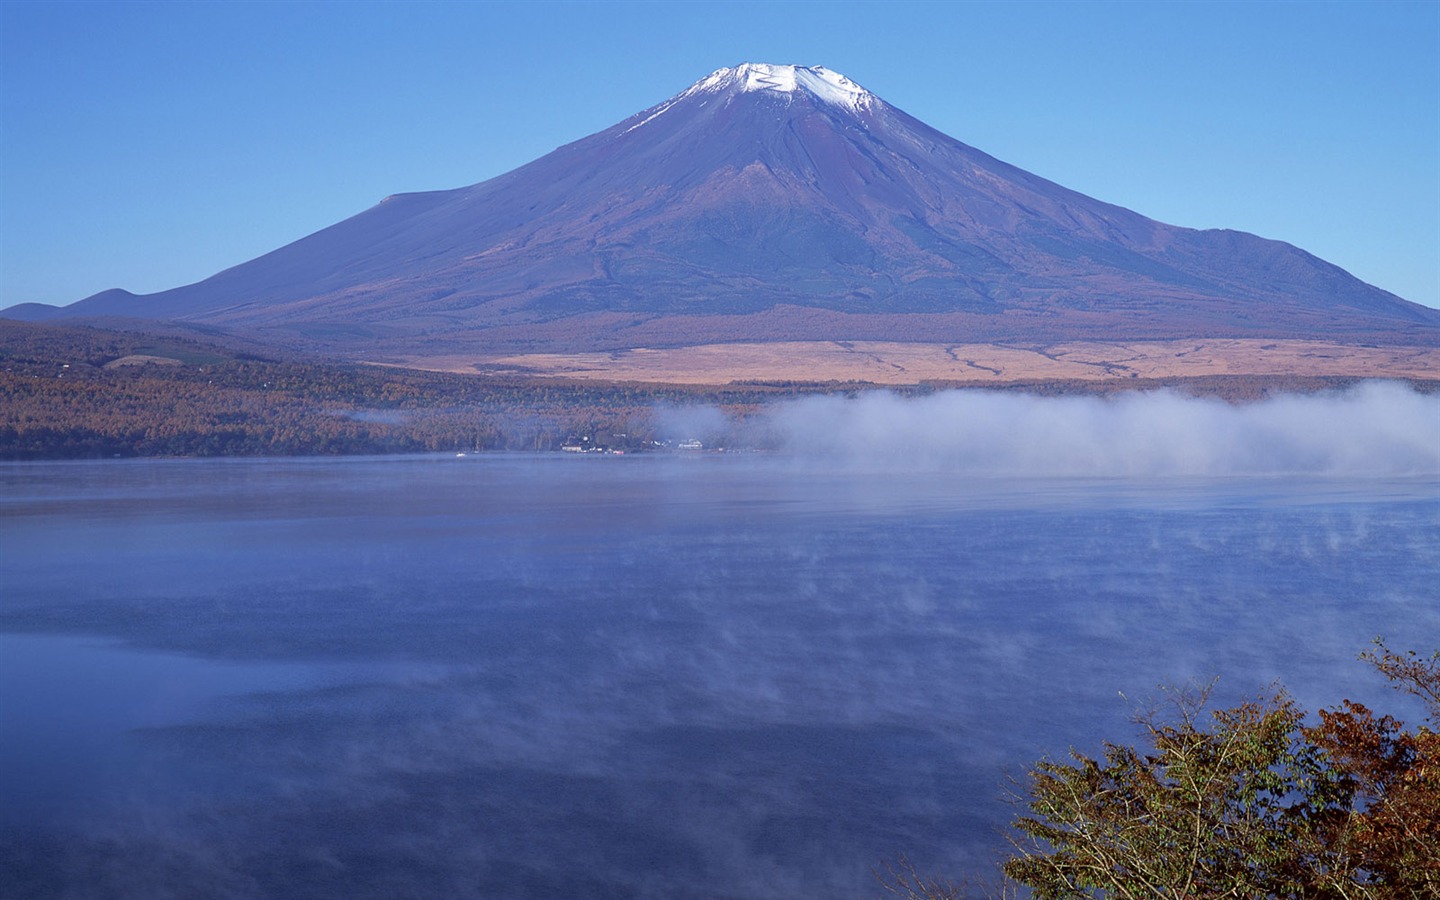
(767,203)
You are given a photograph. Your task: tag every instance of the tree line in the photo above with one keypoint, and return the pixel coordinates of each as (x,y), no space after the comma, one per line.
(71,391)
(68,392)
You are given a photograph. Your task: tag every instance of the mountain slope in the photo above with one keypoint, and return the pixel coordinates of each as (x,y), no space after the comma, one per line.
(768,203)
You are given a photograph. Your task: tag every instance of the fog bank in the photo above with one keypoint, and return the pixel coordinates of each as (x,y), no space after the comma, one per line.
(1376,428)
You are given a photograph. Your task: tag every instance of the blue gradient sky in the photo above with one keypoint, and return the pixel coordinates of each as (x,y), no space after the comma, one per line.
(149,145)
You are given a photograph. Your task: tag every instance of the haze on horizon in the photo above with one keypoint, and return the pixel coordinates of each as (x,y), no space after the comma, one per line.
(163,143)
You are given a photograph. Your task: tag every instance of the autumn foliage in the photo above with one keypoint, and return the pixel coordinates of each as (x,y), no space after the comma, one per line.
(1392,830)
(78,392)
(1245,802)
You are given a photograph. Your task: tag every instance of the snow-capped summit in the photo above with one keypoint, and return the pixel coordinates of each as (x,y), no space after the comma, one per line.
(827,85)
(766,203)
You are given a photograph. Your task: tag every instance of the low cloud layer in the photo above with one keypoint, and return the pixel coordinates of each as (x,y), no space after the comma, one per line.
(1372,429)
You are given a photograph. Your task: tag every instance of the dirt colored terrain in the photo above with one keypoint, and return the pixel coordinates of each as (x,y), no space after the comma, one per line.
(911,363)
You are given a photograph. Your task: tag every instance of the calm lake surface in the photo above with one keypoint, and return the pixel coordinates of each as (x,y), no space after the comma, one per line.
(654,676)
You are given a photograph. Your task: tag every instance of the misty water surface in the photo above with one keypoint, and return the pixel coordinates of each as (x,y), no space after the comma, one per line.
(660,676)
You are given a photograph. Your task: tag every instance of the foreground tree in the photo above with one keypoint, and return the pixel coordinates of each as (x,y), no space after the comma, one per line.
(1393,829)
(1245,802)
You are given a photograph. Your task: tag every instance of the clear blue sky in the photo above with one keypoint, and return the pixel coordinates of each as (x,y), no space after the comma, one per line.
(149,145)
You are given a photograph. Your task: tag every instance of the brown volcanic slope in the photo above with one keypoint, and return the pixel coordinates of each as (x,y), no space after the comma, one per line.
(777,204)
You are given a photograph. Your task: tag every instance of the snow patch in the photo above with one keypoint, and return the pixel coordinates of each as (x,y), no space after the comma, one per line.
(831,87)
(661,109)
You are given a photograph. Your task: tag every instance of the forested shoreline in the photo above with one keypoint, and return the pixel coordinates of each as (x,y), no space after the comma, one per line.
(69,392)
(74,392)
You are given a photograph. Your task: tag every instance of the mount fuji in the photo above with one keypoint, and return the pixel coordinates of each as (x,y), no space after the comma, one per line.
(766,203)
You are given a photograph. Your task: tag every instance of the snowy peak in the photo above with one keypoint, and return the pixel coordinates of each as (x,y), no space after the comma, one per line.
(769,203)
(820,82)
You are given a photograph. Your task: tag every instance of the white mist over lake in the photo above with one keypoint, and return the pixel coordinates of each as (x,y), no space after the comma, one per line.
(671,675)
(1375,428)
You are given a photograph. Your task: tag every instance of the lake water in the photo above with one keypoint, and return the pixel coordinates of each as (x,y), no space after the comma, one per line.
(652,676)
